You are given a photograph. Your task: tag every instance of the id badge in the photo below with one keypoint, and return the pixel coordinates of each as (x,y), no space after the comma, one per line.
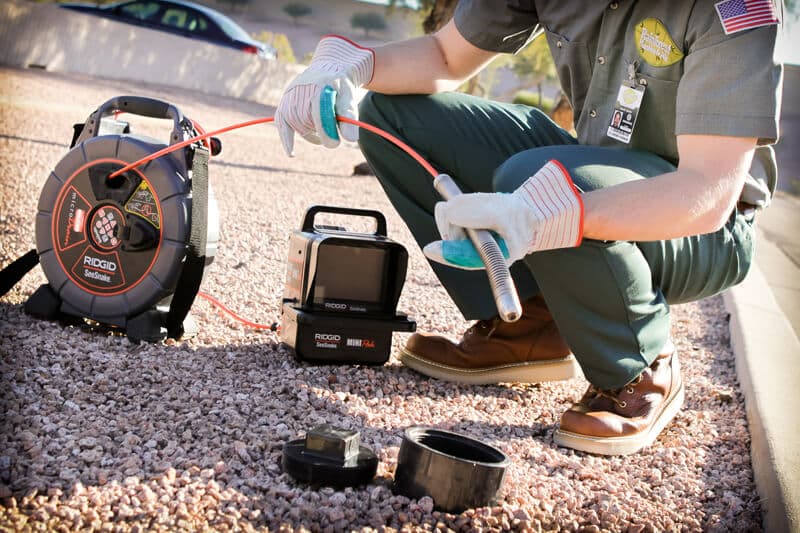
(626,109)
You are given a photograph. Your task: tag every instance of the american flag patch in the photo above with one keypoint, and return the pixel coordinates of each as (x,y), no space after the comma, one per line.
(739,15)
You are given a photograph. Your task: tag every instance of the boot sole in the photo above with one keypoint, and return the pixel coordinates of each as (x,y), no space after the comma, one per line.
(531,372)
(622,445)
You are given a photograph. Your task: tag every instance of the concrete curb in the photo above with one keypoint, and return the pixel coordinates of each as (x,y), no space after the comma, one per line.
(767,354)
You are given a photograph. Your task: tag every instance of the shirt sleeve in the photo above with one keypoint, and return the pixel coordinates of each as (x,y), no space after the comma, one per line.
(496,26)
(731,84)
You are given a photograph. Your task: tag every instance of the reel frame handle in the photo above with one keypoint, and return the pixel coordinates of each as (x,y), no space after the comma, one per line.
(137,105)
(141,105)
(308,220)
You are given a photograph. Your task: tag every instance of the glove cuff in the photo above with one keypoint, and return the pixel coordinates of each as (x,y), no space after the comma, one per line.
(357,60)
(556,203)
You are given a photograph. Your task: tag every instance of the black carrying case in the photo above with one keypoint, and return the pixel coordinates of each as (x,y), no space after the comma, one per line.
(341,292)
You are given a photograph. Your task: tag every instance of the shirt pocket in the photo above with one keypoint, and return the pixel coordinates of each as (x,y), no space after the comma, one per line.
(655,126)
(573,66)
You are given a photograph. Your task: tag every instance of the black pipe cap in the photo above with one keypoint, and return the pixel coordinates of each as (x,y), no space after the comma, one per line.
(330,456)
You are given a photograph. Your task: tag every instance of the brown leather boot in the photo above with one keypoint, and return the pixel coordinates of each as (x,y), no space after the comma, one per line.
(529,350)
(623,421)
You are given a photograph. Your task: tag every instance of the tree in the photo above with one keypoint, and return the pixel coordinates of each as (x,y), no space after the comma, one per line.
(368,21)
(439,12)
(296,11)
(535,63)
(280,42)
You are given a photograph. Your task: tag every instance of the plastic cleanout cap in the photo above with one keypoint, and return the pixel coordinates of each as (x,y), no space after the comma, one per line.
(457,471)
(330,456)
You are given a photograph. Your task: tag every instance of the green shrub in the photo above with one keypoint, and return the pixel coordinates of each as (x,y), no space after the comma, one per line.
(531,98)
(368,22)
(280,42)
(296,11)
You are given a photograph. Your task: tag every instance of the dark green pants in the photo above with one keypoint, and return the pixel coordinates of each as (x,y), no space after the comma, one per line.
(609,299)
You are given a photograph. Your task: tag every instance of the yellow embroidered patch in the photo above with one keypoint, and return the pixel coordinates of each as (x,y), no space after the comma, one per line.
(655,45)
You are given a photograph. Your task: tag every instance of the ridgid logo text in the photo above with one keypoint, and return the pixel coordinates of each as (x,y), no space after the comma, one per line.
(102,264)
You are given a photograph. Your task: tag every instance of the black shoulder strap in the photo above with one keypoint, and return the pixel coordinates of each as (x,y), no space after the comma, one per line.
(14,272)
(195,262)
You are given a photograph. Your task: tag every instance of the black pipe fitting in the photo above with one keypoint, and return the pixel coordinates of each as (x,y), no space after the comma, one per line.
(330,456)
(458,472)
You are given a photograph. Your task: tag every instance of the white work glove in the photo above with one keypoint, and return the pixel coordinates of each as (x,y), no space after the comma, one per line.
(544,213)
(310,109)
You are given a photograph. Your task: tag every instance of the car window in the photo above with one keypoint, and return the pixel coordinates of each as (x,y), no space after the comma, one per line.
(140,10)
(197,24)
(177,18)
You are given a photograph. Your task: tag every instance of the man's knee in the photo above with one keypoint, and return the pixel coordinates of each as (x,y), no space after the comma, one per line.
(521,166)
(374,109)
(369,112)
(368,107)
(378,109)
(590,167)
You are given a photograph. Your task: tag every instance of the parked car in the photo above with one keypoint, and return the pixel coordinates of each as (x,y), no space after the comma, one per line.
(181,18)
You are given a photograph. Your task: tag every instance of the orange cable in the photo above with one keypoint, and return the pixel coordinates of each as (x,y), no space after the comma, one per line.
(227,311)
(203,135)
(388,136)
(187,142)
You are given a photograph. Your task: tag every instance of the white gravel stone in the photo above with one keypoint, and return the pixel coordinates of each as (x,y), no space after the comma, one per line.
(188,435)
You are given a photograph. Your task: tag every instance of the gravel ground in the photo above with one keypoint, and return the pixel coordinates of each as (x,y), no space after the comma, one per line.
(100,434)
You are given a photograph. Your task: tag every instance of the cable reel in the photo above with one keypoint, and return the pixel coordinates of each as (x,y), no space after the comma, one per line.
(126,225)
(128,249)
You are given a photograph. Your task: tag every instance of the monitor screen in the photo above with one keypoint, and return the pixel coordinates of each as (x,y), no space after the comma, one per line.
(349,273)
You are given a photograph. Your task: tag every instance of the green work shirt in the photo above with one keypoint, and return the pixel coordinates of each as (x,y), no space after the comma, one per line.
(696,79)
